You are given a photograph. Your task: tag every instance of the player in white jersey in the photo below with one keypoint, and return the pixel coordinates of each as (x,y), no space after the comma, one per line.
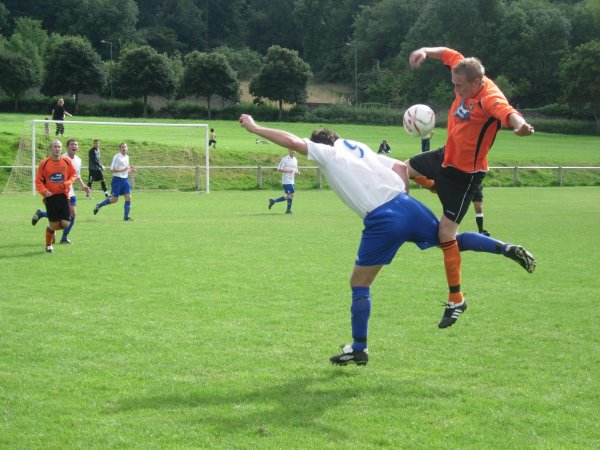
(120,182)
(72,149)
(374,186)
(288,166)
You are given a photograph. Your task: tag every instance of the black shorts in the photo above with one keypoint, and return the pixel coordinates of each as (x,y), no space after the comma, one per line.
(96,175)
(57,207)
(60,128)
(478,193)
(455,188)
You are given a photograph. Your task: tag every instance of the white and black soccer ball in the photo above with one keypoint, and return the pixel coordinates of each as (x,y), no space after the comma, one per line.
(419,120)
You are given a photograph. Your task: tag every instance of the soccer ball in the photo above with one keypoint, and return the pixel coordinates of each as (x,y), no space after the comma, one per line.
(419,120)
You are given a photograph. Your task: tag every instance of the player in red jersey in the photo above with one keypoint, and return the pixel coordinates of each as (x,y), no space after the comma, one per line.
(477,113)
(53,181)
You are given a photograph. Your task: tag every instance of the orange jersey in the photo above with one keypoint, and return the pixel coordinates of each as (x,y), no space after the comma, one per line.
(55,176)
(473,123)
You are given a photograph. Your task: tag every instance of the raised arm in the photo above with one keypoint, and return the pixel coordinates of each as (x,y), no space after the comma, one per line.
(417,57)
(520,126)
(279,137)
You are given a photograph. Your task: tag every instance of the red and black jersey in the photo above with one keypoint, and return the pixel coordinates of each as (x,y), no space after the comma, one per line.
(473,123)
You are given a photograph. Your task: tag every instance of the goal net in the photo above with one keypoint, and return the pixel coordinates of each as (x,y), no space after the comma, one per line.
(168,156)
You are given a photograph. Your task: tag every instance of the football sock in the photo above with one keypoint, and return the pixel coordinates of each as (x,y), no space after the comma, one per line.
(49,236)
(280,199)
(42,214)
(104,202)
(127,208)
(452,261)
(289,204)
(360,313)
(68,229)
(103,184)
(479,221)
(478,243)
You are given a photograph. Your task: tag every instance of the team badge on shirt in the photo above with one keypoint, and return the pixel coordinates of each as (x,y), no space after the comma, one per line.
(462,113)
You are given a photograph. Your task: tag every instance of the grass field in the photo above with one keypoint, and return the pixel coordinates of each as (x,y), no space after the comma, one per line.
(209,320)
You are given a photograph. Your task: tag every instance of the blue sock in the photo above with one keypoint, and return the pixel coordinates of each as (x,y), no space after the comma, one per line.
(289,203)
(478,243)
(42,214)
(280,199)
(104,202)
(361,311)
(127,208)
(67,230)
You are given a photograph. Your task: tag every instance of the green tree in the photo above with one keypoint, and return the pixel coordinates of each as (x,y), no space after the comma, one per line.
(208,74)
(579,75)
(30,41)
(4,15)
(16,76)
(245,62)
(73,66)
(142,72)
(283,78)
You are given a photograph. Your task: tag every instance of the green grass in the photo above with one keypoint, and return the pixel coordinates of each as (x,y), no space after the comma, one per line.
(208,323)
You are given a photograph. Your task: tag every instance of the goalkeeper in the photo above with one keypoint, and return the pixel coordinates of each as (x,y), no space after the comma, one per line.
(374,186)
(96,168)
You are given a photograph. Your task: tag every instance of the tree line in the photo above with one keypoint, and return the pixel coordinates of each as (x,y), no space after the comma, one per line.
(540,52)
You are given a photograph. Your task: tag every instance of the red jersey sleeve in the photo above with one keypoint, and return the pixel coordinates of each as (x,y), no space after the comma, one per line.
(451,57)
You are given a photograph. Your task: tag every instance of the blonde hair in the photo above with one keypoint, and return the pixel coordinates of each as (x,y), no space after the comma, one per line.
(471,68)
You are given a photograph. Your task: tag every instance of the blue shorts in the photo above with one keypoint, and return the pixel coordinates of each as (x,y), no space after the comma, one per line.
(73,201)
(402,219)
(288,188)
(120,186)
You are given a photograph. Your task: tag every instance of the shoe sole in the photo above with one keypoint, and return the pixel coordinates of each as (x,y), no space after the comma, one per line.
(526,259)
(361,363)
(455,315)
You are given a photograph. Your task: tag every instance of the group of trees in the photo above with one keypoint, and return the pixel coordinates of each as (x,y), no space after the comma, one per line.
(539,51)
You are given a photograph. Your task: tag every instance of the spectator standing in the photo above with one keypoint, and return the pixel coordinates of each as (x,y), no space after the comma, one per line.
(58,113)
(384,148)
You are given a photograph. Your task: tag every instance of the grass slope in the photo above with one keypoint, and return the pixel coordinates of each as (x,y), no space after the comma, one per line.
(208,323)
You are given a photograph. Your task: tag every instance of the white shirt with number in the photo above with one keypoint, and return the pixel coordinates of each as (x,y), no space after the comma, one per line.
(76,160)
(361,178)
(120,161)
(288,163)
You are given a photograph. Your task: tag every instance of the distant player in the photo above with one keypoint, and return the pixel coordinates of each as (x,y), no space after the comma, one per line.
(212,138)
(288,166)
(120,182)
(96,168)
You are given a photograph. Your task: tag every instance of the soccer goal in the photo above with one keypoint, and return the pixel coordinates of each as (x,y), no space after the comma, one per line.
(168,156)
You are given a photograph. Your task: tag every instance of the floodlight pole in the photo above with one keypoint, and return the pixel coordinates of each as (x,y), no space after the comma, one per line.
(110,70)
(355,73)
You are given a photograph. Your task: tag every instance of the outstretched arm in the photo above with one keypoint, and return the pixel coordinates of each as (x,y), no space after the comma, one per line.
(520,126)
(280,137)
(417,57)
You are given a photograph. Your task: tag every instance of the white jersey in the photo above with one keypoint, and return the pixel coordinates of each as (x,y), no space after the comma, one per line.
(288,162)
(119,161)
(76,160)
(362,179)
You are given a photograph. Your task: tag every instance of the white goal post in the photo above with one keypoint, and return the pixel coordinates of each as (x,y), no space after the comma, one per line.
(164,149)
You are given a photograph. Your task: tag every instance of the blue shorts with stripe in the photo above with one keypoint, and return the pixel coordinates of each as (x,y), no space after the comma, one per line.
(120,186)
(288,188)
(402,219)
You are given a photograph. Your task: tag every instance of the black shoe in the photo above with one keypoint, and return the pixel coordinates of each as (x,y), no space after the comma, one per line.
(36,217)
(127,219)
(451,314)
(49,249)
(271,203)
(349,356)
(522,256)
(96,209)
(288,211)
(485,233)
(65,241)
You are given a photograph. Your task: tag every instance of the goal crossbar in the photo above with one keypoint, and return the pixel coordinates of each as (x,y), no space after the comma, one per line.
(138,124)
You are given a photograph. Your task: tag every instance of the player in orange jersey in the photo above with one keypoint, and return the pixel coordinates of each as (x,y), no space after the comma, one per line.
(53,180)
(477,113)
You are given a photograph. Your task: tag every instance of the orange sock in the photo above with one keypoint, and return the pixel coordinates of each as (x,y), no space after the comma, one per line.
(452,261)
(425,182)
(49,236)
